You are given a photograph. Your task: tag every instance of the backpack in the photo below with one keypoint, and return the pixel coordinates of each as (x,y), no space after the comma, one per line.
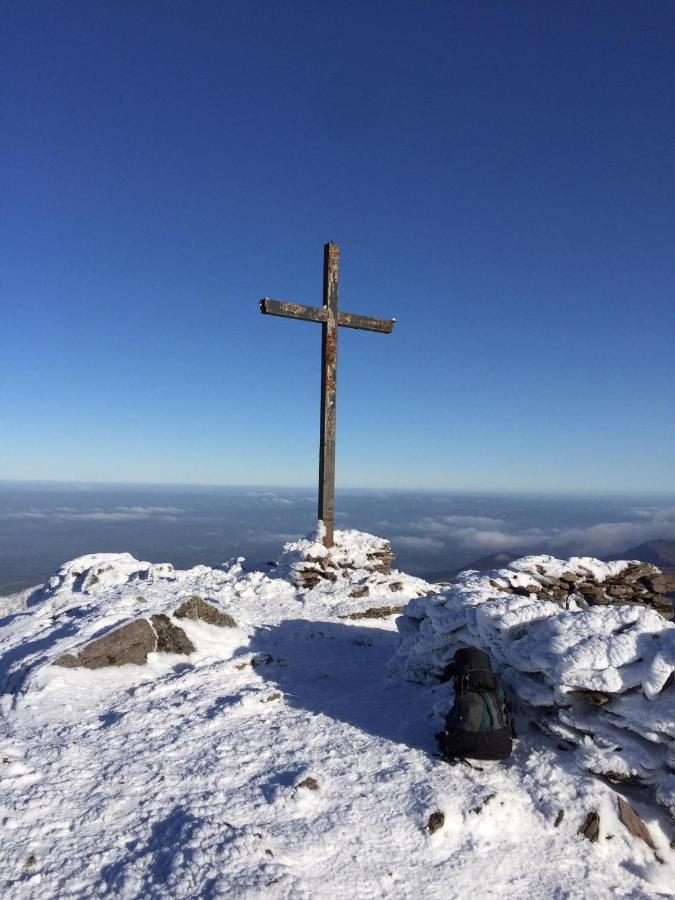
(479,724)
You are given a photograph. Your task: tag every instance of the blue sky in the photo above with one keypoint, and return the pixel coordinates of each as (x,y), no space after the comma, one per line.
(500,177)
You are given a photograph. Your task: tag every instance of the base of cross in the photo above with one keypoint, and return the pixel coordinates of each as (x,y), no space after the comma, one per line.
(311,562)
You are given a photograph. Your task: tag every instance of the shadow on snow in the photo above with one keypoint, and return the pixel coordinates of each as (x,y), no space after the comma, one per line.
(340,671)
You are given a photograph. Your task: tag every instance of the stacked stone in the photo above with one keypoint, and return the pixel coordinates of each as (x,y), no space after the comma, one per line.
(639,583)
(583,647)
(310,563)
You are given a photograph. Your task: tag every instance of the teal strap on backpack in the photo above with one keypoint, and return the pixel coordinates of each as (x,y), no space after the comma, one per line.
(493,711)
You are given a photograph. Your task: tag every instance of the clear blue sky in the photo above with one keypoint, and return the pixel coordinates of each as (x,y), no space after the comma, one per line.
(500,177)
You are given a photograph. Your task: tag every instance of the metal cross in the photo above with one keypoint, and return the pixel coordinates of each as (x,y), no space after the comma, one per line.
(330,318)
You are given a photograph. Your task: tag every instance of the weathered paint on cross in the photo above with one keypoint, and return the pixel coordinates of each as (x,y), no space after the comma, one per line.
(330,318)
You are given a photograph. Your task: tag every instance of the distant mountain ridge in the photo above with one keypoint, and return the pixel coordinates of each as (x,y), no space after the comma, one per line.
(493,561)
(658,552)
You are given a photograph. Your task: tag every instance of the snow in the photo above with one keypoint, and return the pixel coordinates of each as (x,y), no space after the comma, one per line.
(184,777)
(549,655)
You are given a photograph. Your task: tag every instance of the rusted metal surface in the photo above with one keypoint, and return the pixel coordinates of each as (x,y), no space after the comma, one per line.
(292,310)
(319,314)
(366,323)
(329,336)
(330,318)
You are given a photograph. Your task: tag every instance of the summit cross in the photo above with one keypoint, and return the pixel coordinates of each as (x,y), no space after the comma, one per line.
(330,318)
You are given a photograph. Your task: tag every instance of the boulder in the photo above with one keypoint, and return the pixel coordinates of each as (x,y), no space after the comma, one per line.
(196,608)
(310,783)
(659,583)
(592,593)
(129,644)
(170,638)
(436,821)
(591,827)
(634,823)
(638,570)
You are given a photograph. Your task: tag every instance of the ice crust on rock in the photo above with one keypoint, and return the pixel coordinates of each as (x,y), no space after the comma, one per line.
(549,653)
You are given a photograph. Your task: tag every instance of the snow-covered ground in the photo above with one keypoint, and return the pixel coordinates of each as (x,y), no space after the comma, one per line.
(187,776)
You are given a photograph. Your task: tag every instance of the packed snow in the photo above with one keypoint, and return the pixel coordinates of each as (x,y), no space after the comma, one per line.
(287,757)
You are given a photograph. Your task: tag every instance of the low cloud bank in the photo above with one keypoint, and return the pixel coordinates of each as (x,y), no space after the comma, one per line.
(485,535)
(117,514)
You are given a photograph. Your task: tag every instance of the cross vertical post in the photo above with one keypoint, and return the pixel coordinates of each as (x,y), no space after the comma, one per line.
(329,335)
(331,319)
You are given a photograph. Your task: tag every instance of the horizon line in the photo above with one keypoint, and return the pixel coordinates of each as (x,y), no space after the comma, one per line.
(559,491)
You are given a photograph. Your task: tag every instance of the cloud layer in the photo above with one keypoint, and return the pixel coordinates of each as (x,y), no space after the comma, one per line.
(486,535)
(95,514)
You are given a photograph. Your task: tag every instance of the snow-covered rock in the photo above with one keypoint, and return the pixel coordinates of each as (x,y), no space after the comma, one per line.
(278,758)
(596,677)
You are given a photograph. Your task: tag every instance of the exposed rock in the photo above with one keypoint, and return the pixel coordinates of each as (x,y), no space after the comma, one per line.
(620,590)
(375,612)
(660,584)
(196,608)
(129,644)
(526,590)
(310,783)
(360,592)
(593,593)
(664,604)
(595,698)
(619,777)
(170,638)
(640,583)
(309,577)
(380,560)
(483,803)
(30,862)
(559,818)
(598,679)
(351,551)
(591,827)
(634,823)
(436,821)
(638,570)
(395,586)
(500,587)
(92,579)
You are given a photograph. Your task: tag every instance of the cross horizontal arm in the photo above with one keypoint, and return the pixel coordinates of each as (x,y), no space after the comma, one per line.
(367,323)
(318,314)
(293,310)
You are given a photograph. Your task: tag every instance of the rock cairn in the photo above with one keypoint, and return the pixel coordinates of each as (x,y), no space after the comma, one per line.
(584,649)
(308,564)
(639,583)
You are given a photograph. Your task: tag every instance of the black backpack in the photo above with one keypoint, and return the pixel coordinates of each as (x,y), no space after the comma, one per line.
(479,724)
